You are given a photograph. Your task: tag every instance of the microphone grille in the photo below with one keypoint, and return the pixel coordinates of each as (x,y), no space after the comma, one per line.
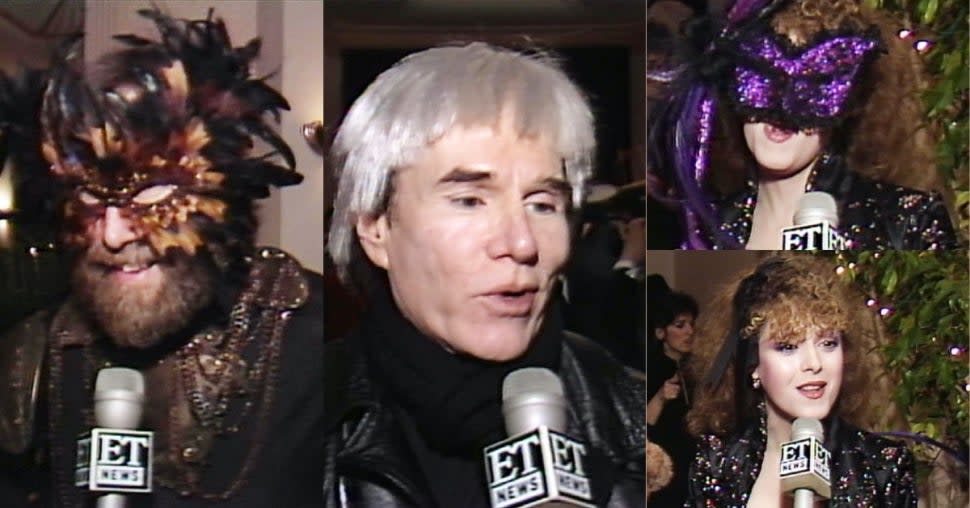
(807,427)
(531,380)
(815,207)
(119,378)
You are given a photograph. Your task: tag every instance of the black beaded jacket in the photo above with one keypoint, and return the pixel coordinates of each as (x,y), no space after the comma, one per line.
(866,470)
(258,459)
(369,463)
(872,215)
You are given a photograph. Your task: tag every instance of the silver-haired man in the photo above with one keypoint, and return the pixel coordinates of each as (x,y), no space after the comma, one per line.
(460,170)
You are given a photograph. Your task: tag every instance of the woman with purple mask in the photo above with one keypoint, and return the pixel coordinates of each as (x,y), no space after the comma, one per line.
(790,97)
(785,342)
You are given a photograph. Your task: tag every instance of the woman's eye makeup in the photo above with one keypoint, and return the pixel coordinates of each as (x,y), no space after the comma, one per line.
(784,347)
(831,342)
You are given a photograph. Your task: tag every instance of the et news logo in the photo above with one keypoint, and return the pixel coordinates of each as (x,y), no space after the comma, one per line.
(538,467)
(804,456)
(819,236)
(115,460)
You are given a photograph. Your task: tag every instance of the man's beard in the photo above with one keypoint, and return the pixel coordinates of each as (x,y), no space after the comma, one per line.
(136,314)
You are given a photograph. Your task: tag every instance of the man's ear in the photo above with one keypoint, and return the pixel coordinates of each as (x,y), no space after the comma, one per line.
(372,231)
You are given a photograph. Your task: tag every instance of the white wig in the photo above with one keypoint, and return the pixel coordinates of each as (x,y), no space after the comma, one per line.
(415,102)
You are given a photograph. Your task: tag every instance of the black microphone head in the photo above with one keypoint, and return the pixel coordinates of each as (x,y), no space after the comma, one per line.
(815,207)
(119,398)
(532,397)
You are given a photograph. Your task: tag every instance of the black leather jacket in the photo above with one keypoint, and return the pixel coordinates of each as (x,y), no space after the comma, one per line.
(368,463)
(872,215)
(866,470)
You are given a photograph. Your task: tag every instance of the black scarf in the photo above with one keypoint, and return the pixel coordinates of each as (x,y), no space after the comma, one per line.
(454,399)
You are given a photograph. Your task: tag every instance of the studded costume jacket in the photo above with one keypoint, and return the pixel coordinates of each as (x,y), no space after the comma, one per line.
(866,470)
(369,462)
(236,406)
(872,215)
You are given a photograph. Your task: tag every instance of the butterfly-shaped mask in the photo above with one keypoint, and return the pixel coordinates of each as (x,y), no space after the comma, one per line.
(797,87)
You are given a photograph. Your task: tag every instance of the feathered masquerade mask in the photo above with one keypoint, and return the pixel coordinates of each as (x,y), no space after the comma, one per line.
(165,134)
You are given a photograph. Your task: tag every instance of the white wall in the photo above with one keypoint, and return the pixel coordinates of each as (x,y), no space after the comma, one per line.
(700,274)
(301,227)
(663,263)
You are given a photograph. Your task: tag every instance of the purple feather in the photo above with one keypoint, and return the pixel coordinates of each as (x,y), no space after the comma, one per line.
(742,10)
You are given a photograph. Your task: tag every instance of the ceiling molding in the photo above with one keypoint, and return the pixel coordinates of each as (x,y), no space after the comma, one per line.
(484,12)
(402,36)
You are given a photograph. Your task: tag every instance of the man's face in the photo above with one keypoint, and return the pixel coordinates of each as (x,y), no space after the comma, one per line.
(136,296)
(474,239)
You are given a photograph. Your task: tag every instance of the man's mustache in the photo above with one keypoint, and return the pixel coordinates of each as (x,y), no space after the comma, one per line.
(137,254)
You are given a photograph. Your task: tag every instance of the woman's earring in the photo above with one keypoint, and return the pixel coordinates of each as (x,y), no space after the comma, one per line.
(755,382)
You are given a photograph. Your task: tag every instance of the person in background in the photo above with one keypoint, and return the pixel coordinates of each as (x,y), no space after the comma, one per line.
(668,395)
(604,279)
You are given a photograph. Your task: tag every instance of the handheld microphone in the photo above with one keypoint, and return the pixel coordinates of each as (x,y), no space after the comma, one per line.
(114,458)
(804,467)
(539,465)
(816,224)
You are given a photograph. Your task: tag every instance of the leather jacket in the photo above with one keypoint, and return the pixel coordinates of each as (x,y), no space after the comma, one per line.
(872,215)
(866,470)
(368,463)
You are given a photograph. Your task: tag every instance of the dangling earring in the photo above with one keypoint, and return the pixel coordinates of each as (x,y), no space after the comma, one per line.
(755,382)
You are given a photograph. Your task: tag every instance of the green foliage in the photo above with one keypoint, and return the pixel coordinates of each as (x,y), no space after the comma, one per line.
(945,22)
(928,295)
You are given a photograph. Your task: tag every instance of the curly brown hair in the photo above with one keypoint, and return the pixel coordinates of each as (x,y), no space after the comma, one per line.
(783,297)
(888,136)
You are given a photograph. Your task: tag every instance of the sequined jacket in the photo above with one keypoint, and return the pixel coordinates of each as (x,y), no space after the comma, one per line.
(368,463)
(866,470)
(872,215)
(46,366)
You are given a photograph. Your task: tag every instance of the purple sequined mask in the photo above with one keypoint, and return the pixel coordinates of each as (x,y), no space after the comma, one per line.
(797,87)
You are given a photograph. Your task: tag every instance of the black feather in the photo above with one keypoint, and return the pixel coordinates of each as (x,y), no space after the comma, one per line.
(132,40)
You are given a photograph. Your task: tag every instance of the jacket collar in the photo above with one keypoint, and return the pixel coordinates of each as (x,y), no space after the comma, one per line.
(829,175)
(373,442)
(748,447)
(358,411)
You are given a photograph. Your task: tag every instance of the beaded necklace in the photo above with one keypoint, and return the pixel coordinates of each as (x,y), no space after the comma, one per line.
(212,375)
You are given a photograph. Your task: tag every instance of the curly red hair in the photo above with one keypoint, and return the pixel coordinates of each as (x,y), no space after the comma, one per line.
(784,295)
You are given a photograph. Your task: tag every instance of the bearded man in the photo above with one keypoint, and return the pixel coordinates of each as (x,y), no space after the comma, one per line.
(156,188)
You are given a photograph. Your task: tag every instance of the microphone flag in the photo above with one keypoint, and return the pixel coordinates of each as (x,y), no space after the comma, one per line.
(115,460)
(538,467)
